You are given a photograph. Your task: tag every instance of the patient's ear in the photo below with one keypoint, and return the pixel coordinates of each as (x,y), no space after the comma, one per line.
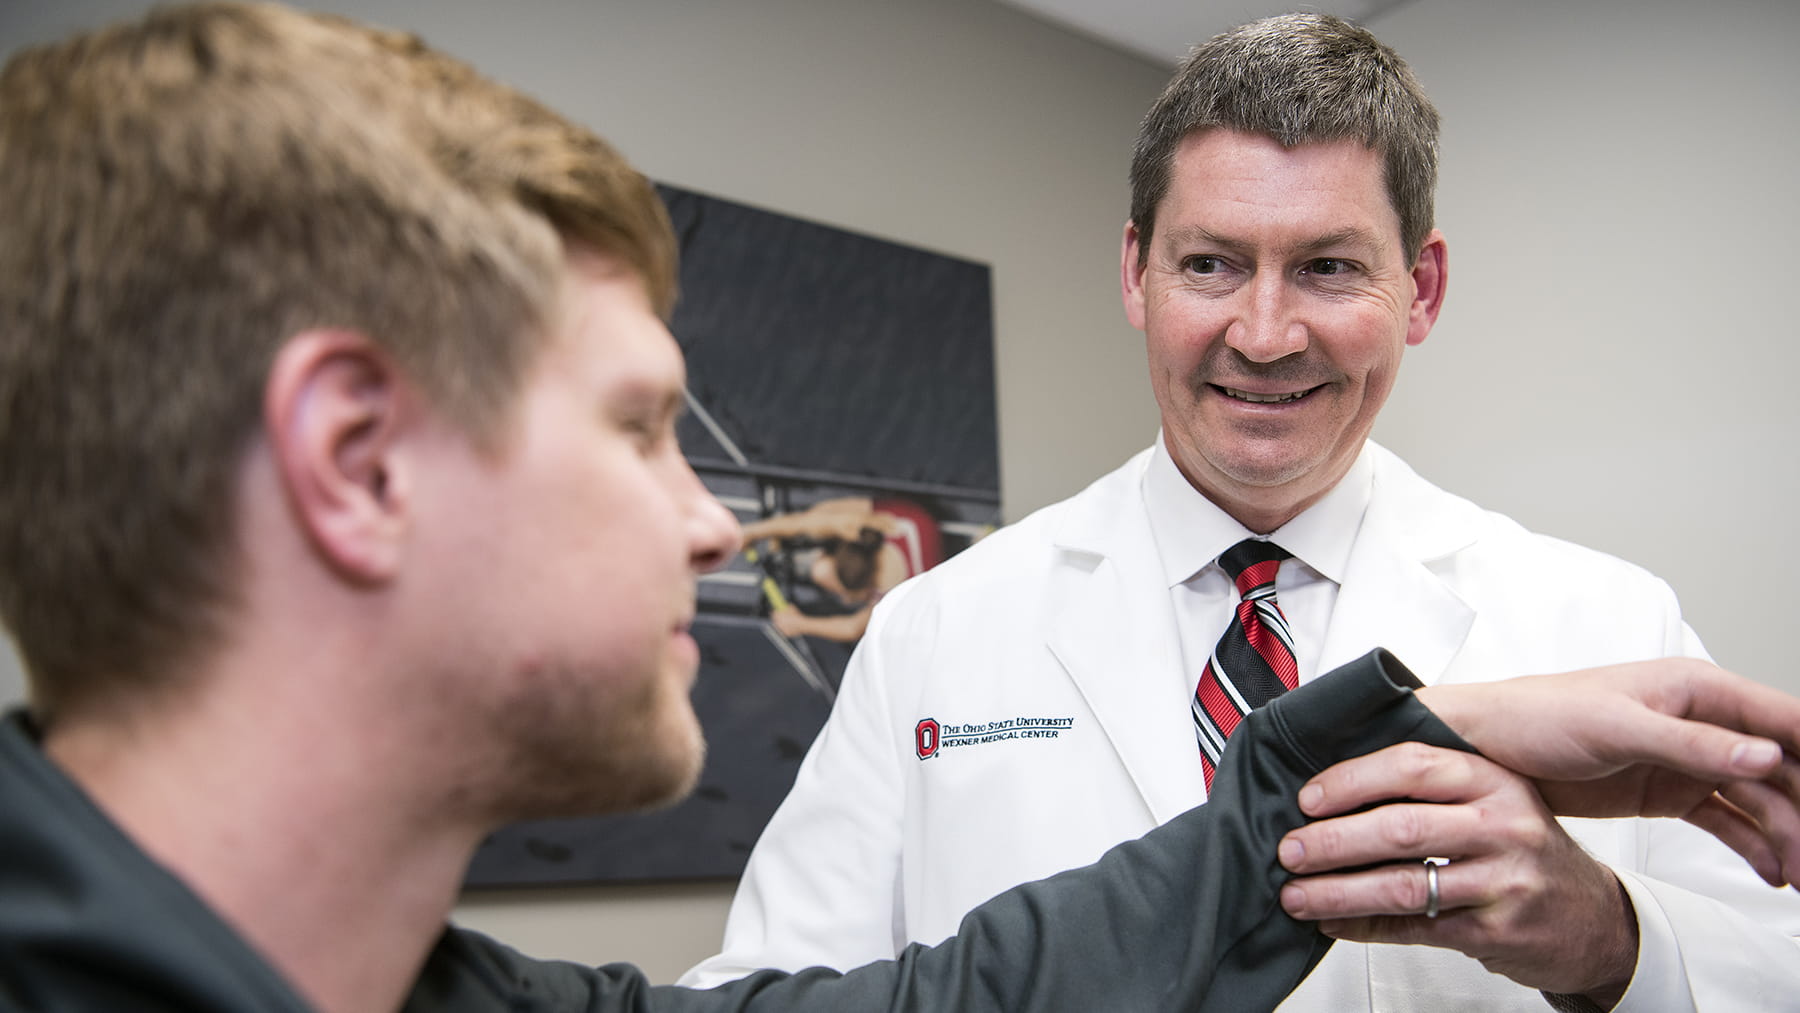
(334,409)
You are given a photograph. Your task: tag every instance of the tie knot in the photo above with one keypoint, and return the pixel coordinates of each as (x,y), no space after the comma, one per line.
(1252,563)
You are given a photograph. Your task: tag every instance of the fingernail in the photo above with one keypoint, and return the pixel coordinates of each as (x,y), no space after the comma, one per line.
(1758,755)
(1293,900)
(1291,853)
(1311,797)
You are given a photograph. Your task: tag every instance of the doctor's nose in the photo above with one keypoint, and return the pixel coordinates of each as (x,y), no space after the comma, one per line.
(1265,327)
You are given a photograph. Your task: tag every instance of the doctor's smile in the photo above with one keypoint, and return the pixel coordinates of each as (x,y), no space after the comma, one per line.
(1252,397)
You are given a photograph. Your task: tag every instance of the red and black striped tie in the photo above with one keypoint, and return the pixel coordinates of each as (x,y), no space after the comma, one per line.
(1254,662)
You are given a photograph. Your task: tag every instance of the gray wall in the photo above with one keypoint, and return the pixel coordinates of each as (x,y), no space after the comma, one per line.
(1620,200)
(1614,190)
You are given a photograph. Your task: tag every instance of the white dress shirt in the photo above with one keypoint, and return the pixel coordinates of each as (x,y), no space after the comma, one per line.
(1191,531)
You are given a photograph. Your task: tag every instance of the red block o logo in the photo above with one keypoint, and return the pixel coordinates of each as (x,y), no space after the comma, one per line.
(925,736)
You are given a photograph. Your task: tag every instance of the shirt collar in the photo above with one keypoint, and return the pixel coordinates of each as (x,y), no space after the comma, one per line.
(1190,530)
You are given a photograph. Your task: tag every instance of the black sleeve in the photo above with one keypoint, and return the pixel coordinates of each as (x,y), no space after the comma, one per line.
(1186,918)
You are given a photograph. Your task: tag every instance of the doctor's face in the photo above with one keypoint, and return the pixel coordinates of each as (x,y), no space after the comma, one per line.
(1276,301)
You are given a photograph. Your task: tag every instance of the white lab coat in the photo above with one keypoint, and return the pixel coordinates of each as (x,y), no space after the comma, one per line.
(1062,626)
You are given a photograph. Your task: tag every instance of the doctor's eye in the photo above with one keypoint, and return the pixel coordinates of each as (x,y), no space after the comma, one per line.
(1329,266)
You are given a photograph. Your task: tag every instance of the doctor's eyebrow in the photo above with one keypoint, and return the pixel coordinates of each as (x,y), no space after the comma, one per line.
(1350,236)
(1198,235)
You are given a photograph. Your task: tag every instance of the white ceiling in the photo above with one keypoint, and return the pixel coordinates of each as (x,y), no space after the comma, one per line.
(1162,30)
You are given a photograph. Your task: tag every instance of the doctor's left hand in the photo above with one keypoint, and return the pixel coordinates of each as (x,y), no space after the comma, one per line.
(1518,894)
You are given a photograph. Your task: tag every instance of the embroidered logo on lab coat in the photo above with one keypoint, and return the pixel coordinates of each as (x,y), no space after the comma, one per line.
(930,735)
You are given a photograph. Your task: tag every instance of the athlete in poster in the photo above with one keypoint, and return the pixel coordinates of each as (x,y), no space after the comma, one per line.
(856,548)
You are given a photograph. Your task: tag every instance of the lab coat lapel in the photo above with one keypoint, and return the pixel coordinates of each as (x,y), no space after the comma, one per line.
(1390,597)
(1111,626)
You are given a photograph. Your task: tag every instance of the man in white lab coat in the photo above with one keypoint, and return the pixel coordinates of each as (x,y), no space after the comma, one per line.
(1027,704)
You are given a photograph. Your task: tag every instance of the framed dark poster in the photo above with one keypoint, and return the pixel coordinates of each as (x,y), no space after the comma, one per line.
(841,398)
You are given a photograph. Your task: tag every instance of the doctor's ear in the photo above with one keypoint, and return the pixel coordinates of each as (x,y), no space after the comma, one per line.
(332,411)
(1131,274)
(1431,279)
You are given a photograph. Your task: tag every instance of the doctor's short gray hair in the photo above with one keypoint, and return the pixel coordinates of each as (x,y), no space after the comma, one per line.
(1300,79)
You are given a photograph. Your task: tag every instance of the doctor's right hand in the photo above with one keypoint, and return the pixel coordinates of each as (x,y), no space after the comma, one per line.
(1518,894)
